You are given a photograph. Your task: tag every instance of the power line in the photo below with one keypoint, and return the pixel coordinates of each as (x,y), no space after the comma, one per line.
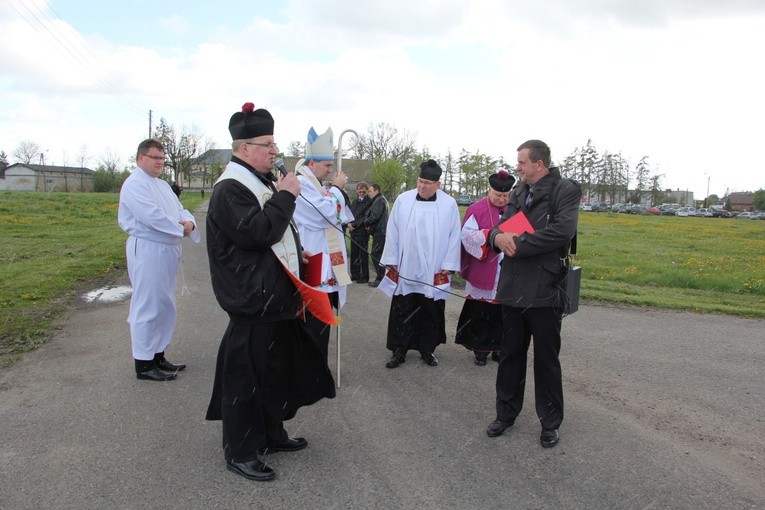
(108,85)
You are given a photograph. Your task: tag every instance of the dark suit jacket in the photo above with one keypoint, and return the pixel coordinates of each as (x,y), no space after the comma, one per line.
(531,278)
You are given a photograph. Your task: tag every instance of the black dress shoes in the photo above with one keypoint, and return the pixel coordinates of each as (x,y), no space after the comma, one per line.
(429,359)
(497,427)
(549,438)
(374,283)
(252,470)
(480,359)
(165,365)
(292,444)
(495,356)
(395,360)
(155,374)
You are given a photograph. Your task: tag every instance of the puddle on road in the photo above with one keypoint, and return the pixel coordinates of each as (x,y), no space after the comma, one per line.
(108,294)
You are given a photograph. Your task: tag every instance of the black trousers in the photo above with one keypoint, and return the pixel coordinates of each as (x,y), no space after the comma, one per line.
(319,329)
(378,244)
(359,255)
(416,322)
(520,325)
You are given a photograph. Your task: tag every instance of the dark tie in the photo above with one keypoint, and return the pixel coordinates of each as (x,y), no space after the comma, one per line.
(529,198)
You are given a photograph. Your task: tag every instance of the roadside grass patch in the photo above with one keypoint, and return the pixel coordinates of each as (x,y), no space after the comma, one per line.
(53,245)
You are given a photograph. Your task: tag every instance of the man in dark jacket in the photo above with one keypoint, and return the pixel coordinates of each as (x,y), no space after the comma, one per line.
(530,292)
(375,222)
(268,364)
(359,235)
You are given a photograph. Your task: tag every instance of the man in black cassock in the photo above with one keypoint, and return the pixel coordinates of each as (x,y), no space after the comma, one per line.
(268,363)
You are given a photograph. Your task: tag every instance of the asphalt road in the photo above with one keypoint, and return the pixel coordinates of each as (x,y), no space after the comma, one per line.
(663,410)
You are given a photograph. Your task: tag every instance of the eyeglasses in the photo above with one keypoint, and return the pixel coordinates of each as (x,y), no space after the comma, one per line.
(269,145)
(155,158)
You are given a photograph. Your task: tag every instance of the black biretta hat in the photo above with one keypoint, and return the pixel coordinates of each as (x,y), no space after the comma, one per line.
(502,181)
(430,170)
(250,123)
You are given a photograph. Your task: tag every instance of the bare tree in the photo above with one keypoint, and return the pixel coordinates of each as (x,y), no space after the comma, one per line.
(180,148)
(82,156)
(27,151)
(383,141)
(295,149)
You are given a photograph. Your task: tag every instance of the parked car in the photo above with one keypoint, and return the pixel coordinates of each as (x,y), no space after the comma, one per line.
(654,210)
(683,212)
(617,207)
(464,200)
(718,212)
(585,207)
(704,213)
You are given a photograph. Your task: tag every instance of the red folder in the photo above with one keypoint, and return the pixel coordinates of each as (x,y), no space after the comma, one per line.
(312,270)
(517,223)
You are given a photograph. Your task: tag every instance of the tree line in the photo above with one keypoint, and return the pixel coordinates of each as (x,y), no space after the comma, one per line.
(604,176)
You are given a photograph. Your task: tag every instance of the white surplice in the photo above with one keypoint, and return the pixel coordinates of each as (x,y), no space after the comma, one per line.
(423,238)
(315,211)
(150,213)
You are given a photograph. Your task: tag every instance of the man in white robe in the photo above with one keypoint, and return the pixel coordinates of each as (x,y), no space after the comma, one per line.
(422,250)
(319,216)
(156,223)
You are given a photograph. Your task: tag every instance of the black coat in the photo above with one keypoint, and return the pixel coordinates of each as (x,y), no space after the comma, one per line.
(376,219)
(359,210)
(248,280)
(531,278)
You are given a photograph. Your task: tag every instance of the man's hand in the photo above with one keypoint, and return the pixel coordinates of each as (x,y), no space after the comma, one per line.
(289,183)
(506,243)
(188,226)
(306,255)
(340,179)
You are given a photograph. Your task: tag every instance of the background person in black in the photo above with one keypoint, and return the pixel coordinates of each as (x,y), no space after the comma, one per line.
(359,235)
(375,222)
(268,363)
(529,291)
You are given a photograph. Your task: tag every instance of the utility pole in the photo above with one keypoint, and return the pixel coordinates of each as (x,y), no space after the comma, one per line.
(706,198)
(149,123)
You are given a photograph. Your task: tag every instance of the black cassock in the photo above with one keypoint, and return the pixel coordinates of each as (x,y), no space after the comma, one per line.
(264,373)
(416,322)
(480,326)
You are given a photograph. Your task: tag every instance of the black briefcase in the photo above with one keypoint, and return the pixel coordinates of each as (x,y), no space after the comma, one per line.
(571,284)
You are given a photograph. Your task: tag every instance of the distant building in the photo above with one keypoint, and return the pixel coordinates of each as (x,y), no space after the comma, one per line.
(740,201)
(29,177)
(678,196)
(208,167)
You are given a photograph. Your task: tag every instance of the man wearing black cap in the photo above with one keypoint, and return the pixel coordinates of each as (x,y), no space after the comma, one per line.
(480,323)
(268,364)
(422,250)
(530,292)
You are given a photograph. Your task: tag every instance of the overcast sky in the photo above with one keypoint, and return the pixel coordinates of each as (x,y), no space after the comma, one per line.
(679,81)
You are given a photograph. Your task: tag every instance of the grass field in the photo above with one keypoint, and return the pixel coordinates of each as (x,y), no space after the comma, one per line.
(55,245)
(699,264)
(51,246)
